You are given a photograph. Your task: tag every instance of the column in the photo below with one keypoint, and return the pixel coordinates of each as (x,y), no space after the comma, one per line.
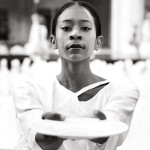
(125,14)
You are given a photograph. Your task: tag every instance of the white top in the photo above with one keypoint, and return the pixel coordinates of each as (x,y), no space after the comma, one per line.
(116,100)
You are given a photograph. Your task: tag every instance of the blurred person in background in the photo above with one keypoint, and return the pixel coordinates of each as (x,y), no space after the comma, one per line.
(38,44)
(144,48)
(131,49)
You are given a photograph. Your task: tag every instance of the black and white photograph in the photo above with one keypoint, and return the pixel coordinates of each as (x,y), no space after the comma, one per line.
(74,74)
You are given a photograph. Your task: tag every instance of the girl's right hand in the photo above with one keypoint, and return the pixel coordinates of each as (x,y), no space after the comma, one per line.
(47,142)
(53,116)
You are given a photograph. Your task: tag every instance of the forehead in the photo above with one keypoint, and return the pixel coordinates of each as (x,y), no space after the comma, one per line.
(76,13)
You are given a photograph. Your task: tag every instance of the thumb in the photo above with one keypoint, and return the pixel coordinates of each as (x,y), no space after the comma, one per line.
(99,115)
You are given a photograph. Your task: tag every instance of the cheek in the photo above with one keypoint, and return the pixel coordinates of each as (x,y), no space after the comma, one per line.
(60,37)
(59,40)
(92,36)
(91,41)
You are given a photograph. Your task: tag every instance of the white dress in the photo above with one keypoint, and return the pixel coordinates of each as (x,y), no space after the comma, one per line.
(32,98)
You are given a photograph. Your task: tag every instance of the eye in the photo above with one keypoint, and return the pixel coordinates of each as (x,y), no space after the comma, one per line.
(85,28)
(66,28)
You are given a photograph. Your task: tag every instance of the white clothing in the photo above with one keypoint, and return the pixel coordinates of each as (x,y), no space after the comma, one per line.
(116,100)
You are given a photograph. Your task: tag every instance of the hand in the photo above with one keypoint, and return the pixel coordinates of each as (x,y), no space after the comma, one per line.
(47,142)
(53,116)
(101,116)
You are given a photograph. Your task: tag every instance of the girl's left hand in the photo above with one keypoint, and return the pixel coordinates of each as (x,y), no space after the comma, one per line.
(101,116)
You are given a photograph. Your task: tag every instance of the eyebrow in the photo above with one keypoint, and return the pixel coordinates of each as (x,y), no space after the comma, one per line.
(70,21)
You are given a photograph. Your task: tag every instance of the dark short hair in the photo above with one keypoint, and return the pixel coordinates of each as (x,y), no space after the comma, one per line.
(87,6)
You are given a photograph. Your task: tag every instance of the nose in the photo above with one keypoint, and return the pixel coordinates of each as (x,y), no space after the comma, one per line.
(75,34)
(75,37)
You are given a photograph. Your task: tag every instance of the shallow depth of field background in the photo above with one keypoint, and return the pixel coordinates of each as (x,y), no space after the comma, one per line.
(125,53)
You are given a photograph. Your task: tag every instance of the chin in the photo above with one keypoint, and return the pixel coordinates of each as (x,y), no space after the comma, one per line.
(75,57)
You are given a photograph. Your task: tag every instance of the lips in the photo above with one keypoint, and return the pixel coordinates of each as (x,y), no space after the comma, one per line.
(76,46)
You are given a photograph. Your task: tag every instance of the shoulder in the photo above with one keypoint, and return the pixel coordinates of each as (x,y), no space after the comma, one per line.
(31,84)
(120,83)
(124,86)
(123,95)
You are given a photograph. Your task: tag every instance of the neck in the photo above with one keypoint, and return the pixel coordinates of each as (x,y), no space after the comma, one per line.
(76,75)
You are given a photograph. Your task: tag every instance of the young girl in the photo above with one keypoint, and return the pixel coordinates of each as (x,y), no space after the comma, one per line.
(75,91)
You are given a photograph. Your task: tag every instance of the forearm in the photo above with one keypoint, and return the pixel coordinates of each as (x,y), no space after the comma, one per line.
(48,142)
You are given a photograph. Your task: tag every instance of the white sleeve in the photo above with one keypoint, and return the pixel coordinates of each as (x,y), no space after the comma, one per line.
(121,105)
(28,109)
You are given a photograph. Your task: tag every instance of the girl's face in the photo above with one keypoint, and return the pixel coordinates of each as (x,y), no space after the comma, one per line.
(75,34)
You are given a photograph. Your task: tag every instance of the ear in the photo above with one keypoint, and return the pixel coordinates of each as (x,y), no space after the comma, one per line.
(98,43)
(53,42)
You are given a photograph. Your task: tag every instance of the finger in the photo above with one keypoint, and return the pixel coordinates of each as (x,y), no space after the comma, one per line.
(100,140)
(47,115)
(53,116)
(99,115)
(50,137)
